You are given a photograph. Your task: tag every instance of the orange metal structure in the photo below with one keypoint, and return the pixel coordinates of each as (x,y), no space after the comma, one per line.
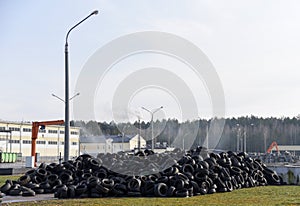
(274,144)
(35,131)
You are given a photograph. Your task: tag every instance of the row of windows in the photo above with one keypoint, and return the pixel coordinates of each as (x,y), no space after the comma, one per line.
(14,129)
(42,142)
(26,141)
(14,141)
(50,131)
(52,142)
(26,130)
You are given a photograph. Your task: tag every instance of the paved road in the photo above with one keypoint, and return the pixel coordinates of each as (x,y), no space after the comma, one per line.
(11,199)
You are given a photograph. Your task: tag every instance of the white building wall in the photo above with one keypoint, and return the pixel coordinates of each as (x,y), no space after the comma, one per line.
(20,141)
(133,143)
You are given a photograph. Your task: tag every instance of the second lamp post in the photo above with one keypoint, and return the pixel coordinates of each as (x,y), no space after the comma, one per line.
(152,114)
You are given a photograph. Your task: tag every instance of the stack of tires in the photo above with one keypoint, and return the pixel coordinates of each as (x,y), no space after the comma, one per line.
(195,173)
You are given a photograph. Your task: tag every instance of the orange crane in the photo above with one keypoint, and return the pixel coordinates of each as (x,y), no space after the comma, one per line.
(274,144)
(35,131)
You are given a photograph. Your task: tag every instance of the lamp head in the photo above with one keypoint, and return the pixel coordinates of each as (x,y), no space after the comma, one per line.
(95,12)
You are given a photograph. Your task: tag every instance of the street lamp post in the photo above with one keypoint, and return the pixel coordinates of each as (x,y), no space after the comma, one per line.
(238,138)
(152,113)
(67,120)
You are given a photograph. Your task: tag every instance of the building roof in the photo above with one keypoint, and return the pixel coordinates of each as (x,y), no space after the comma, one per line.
(104,138)
(92,139)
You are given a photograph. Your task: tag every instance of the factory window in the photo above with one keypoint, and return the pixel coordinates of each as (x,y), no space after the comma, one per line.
(2,128)
(26,141)
(52,131)
(26,130)
(74,143)
(40,142)
(52,142)
(61,132)
(14,129)
(62,143)
(42,131)
(74,133)
(14,141)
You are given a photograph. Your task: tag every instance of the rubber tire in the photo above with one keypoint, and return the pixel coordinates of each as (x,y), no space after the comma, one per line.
(23,180)
(5,188)
(161,190)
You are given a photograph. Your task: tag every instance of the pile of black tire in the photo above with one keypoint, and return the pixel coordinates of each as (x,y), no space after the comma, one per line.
(195,173)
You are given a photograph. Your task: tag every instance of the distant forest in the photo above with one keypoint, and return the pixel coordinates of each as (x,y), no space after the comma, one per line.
(260,132)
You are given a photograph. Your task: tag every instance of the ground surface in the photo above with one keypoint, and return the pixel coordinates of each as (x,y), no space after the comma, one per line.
(269,195)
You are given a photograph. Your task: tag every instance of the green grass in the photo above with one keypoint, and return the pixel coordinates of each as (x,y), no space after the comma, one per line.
(269,195)
(3,178)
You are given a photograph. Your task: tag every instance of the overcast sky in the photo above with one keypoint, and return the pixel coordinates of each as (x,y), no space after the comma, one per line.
(254,46)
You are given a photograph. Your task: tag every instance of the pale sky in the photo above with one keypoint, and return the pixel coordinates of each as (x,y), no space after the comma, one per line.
(254,46)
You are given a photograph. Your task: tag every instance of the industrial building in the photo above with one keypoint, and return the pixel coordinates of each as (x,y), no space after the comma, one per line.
(110,144)
(16,137)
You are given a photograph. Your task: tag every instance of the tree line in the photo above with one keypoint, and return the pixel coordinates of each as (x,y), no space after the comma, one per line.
(259,132)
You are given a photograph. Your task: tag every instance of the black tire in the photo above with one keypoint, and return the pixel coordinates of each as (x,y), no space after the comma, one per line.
(161,190)
(38,190)
(179,184)
(273,179)
(202,172)
(200,177)
(36,179)
(234,183)
(171,191)
(119,189)
(66,178)
(15,192)
(188,168)
(220,183)
(95,163)
(93,181)
(235,170)
(86,175)
(147,189)
(80,189)
(182,193)
(101,174)
(211,191)
(5,188)
(101,189)
(71,191)
(23,180)
(28,193)
(51,179)
(229,186)
(41,172)
(163,179)
(45,185)
(62,192)
(196,188)
(134,185)
(204,164)
(108,183)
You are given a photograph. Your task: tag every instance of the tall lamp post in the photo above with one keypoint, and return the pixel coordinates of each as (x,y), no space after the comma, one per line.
(67,120)
(152,113)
